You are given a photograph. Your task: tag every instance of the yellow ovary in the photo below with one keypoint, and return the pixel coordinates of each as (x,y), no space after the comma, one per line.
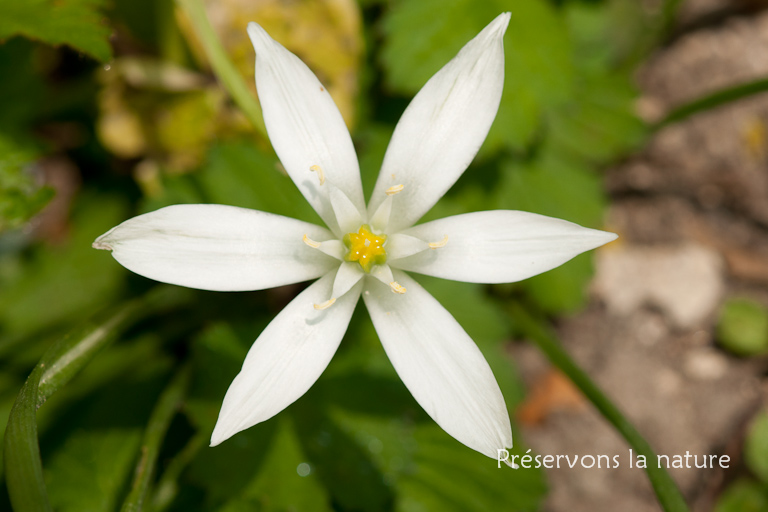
(366,248)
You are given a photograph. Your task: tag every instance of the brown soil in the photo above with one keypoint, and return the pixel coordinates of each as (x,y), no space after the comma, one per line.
(691,210)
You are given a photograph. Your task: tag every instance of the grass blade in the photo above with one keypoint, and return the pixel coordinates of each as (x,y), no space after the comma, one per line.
(22,462)
(666,490)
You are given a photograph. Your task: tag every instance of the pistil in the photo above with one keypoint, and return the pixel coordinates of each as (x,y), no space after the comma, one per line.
(366,248)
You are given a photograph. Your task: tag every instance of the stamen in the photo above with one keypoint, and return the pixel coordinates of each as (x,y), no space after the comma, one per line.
(441,243)
(397,287)
(394,190)
(319,171)
(326,304)
(310,242)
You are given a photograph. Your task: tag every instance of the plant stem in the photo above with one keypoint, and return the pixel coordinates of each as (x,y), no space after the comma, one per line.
(714,100)
(668,494)
(226,72)
(168,486)
(159,421)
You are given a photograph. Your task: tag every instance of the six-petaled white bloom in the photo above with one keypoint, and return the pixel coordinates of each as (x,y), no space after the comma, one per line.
(364,251)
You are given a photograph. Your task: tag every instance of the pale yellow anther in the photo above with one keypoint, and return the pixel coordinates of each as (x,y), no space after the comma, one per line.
(319,171)
(311,243)
(326,304)
(441,243)
(397,287)
(394,190)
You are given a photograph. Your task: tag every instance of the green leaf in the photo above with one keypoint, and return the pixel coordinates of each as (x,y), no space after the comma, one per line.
(88,472)
(238,174)
(9,384)
(76,23)
(120,362)
(429,470)
(341,464)
(24,82)
(743,327)
(21,196)
(151,23)
(441,462)
(599,123)
(21,453)
(217,356)
(86,277)
(756,447)
(288,482)
(242,175)
(554,186)
(68,357)
(23,466)
(743,496)
(537,56)
(224,471)
(115,415)
(563,289)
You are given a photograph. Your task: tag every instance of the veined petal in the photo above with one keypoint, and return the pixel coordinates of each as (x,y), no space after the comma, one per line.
(401,245)
(347,215)
(217,247)
(383,273)
(333,248)
(443,127)
(500,246)
(380,218)
(440,364)
(286,359)
(347,276)
(305,126)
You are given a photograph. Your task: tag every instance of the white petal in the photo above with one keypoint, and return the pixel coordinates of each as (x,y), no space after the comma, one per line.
(347,215)
(383,273)
(400,245)
(216,247)
(286,359)
(500,246)
(333,248)
(380,218)
(347,276)
(440,364)
(443,127)
(304,126)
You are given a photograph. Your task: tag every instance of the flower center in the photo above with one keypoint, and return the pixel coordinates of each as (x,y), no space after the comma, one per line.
(365,248)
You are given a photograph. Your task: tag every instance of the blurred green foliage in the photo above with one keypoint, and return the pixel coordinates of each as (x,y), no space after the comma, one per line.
(76,23)
(153,128)
(743,496)
(20,196)
(21,193)
(750,494)
(742,327)
(756,447)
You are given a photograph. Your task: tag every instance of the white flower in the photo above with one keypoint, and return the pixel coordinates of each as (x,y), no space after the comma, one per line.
(365,251)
